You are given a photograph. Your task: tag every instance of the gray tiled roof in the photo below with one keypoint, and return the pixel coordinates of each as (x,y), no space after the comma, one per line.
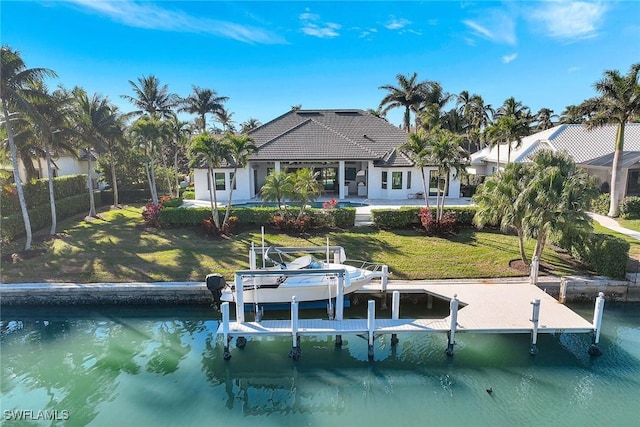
(628,159)
(584,144)
(329,135)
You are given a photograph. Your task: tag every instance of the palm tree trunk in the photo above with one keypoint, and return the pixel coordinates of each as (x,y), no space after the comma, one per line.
(116,197)
(615,172)
(498,159)
(52,196)
(92,202)
(407,119)
(233,184)
(425,187)
(213,198)
(152,180)
(16,177)
(523,254)
(167,175)
(175,171)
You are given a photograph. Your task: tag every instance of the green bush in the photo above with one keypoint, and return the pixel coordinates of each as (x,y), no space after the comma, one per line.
(630,208)
(409,216)
(189,195)
(600,205)
(37,193)
(126,196)
(341,217)
(606,255)
(172,203)
(183,217)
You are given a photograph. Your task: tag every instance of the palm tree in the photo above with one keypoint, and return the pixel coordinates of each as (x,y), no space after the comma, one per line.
(618,102)
(573,114)
(203,102)
(179,131)
(224,117)
(513,119)
(95,121)
(278,186)
(151,98)
(496,200)
(16,86)
(449,158)
(210,150)
(417,149)
(249,125)
(147,132)
(240,147)
(408,95)
(544,119)
(306,188)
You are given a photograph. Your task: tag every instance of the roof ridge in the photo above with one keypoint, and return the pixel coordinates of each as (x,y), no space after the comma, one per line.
(291,129)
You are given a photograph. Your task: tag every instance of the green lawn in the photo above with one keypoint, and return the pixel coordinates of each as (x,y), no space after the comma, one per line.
(117,248)
(633,224)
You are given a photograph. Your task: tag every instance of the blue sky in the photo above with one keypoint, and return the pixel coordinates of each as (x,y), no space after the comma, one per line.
(268,56)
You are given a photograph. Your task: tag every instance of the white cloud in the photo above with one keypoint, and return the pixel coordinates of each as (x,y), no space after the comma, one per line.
(495,26)
(508,58)
(149,16)
(397,24)
(570,20)
(312,26)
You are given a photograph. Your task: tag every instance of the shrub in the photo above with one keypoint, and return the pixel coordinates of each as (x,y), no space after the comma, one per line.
(446,225)
(408,216)
(183,217)
(151,214)
(630,208)
(172,203)
(291,224)
(600,205)
(189,195)
(606,255)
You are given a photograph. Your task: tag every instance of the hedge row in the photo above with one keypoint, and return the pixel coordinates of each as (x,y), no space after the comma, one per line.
(36,193)
(606,255)
(330,218)
(126,196)
(408,216)
(630,208)
(40,217)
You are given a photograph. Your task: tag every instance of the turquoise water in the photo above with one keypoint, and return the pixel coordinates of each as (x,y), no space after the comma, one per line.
(137,366)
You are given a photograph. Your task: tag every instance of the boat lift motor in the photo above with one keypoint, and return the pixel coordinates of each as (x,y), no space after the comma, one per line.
(215,283)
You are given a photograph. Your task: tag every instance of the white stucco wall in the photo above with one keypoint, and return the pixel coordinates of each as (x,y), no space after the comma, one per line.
(377,192)
(242,191)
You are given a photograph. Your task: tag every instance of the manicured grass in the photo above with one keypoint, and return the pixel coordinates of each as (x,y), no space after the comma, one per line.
(117,248)
(633,224)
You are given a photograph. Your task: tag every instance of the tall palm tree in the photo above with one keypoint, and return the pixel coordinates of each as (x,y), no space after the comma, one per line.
(449,158)
(618,102)
(179,130)
(513,119)
(417,149)
(573,114)
(408,94)
(16,89)
(224,117)
(306,187)
(240,147)
(147,133)
(202,102)
(278,186)
(544,119)
(151,98)
(249,125)
(209,150)
(95,121)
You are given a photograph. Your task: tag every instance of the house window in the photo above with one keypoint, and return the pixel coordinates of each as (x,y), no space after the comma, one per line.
(231,182)
(384,180)
(408,180)
(396,180)
(219,178)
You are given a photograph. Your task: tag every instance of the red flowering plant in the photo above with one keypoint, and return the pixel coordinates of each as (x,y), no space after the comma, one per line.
(331,204)
(151,212)
(446,225)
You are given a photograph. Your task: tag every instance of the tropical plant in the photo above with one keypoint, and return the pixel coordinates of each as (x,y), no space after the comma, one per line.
(249,125)
(239,147)
(408,94)
(449,158)
(224,118)
(513,121)
(417,149)
(619,101)
(95,121)
(306,188)
(202,102)
(16,94)
(277,188)
(209,150)
(178,131)
(146,133)
(151,98)
(544,119)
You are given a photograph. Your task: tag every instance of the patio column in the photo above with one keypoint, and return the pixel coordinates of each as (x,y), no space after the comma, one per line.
(341,180)
(277,166)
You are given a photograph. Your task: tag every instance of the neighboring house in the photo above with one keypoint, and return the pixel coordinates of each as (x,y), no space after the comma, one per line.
(355,153)
(592,150)
(64,164)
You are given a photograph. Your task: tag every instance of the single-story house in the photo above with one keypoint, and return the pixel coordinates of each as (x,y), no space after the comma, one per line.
(356,154)
(592,150)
